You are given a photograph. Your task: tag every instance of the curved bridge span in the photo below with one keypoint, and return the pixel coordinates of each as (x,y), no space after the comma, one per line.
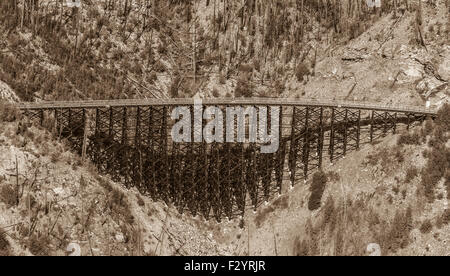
(131,141)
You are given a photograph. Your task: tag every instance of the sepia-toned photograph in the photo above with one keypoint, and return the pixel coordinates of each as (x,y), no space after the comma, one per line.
(218,129)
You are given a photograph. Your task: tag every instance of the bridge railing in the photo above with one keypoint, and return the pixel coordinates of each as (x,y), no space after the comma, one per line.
(229,101)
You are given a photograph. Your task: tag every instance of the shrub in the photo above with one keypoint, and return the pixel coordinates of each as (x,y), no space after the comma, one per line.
(426,227)
(396,189)
(317,188)
(397,235)
(215,93)
(435,170)
(443,117)
(245,68)
(9,112)
(399,156)
(118,204)
(151,78)
(339,243)
(445,217)
(301,247)
(409,139)
(439,155)
(301,71)
(9,195)
(222,79)
(38,246)
(262,215)
(174,87)
(282,202)
(4,244)
(243,89)
(140,201)
(330,213)
(428,128)
(411,173)
(447,183)
(333,176)
(105,184)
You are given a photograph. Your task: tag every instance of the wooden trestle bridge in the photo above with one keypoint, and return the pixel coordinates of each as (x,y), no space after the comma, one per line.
(131,141)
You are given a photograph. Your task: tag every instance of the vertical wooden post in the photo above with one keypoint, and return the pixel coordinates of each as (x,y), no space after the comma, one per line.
(164,136)
(96,131)
(358,134)
(395,123)
(408,122)
(371,126)
(332,135)
(320,138)
(281,153)
(85,136)
(292,149)
(306,144)
(137,132)
(97,120)
(345,131)
(124,127)
(111,125)
(280,123)
(69,121)
(124,154)
(385,119)
(56,121)
(41,117)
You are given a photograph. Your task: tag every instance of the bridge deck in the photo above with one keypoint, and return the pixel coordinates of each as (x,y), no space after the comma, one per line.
(247,101)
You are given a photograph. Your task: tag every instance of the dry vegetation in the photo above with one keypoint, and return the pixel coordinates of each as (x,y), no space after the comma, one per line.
(319,181)
(8,112)
(339,230)
(44,222)
(4,244)
(137,48)
(437,167)
(49,198)
(345,227)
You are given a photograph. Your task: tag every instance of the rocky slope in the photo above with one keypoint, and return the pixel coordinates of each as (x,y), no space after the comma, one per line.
(139,49)
(379,194)
(58,200)
(386,64)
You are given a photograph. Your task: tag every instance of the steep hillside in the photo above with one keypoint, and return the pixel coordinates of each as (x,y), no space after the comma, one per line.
(214,48)
(394,194)
(50,199)
(387,64)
